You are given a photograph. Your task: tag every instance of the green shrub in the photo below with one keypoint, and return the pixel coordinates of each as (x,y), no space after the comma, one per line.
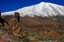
(25,39)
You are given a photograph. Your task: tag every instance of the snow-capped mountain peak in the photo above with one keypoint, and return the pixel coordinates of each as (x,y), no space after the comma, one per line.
(43,9)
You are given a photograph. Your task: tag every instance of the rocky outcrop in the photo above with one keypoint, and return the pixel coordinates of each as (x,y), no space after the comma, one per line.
(14,24)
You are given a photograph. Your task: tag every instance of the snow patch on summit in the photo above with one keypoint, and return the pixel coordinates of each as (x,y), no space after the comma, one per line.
(43,9)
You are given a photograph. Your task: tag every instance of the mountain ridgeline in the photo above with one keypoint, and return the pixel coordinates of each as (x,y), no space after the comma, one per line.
(43,9)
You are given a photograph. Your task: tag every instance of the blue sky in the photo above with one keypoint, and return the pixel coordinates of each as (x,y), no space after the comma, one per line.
(10,5)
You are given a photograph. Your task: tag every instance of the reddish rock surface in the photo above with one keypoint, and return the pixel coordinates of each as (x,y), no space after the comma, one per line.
(2,40)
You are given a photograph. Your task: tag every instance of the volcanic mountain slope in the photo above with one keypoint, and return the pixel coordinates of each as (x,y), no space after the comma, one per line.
(42,9)
(36,22)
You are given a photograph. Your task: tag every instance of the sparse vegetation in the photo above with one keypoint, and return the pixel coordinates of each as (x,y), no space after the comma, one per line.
(38,28)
